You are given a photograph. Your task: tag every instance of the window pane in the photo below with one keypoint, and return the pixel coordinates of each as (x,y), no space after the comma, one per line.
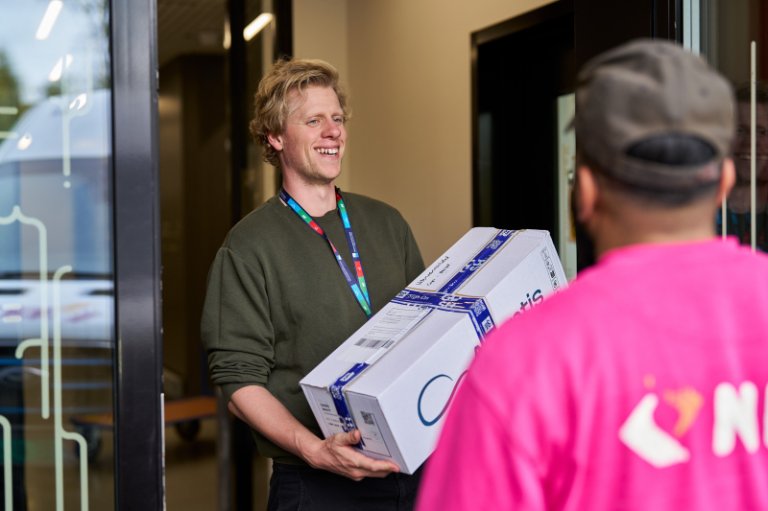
(733,38)
(56,285)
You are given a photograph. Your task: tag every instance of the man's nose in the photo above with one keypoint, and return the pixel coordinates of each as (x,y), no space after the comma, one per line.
(332,130)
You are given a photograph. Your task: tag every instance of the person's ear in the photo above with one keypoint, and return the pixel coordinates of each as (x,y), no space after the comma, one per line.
(586,193)
(276,141)
(727,180)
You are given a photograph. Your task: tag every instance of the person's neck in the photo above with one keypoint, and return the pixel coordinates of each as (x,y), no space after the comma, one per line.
(316,199)
(604,245)
(652,228)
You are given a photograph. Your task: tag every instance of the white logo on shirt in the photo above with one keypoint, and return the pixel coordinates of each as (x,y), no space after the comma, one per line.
(641,434)
(735,412)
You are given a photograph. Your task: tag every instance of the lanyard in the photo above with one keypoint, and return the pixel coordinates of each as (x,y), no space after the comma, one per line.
(359,288)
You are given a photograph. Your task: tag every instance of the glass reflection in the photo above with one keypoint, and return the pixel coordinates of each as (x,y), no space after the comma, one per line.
(732,38)
(739,204)
(56,286)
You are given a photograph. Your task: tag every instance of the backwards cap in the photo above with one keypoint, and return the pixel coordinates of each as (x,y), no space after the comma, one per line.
(647,88)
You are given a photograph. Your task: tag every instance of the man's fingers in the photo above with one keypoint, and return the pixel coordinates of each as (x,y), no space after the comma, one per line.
(348,438)
(356,464)
(384,467)
(372,465)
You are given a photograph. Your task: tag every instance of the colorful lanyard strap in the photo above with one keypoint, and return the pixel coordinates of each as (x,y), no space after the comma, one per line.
(359,288)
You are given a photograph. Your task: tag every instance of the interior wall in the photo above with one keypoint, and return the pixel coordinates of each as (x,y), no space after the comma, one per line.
(733,40)
(320,32)
(407,66)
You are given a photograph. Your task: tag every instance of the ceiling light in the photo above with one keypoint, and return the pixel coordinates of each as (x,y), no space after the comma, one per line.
(24,142)
(56,71)
(79,102)
(227,42)
(49,18)
(255,26)
(58,68)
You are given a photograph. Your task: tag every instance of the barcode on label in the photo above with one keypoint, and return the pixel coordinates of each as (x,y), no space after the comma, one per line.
(368,418)
(374,343)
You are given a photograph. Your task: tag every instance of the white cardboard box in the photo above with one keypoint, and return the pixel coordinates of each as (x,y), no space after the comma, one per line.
(395,376)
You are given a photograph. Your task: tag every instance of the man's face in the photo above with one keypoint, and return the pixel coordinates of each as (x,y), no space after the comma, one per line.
(741,153)
(312,143)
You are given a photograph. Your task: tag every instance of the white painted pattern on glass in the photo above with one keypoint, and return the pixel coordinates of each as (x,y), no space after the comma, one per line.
(7,467)
(42,342)
(60,434)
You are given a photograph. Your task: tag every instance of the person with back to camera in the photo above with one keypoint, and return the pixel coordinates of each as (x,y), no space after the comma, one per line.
(291,282)
(643,385)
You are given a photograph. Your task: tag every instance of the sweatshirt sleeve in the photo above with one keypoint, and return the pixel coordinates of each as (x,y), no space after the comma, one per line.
(414,264)
(236,328)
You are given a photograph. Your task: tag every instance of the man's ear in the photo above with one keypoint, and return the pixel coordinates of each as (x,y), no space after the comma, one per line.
(727,180)
(586,192)
(276,141)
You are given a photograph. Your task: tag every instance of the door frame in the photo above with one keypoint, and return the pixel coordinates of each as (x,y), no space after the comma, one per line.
(505,28)
(138,406)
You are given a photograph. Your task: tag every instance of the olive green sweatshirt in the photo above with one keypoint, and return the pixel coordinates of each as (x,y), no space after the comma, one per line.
(277,303)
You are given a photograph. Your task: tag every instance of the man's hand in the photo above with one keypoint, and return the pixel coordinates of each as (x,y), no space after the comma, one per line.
(259,409)
(337,454)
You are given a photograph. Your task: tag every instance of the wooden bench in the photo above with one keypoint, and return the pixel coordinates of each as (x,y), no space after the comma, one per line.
(184,414)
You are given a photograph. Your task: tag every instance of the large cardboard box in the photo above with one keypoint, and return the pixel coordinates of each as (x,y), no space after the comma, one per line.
(394,378)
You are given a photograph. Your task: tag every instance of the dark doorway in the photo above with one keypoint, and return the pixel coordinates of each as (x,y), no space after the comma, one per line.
(520,68)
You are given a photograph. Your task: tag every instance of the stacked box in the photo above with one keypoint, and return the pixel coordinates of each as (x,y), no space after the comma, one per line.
(394,378)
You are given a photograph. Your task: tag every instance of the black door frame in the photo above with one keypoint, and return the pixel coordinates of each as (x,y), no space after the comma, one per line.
(602,24)
(598,25)
(139,480)
(525,21)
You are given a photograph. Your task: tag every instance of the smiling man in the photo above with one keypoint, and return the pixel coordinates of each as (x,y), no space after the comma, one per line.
(739,204)
(291,282)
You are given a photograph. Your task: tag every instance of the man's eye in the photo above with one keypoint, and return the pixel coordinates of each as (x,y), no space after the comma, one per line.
(313,122)
(339,120)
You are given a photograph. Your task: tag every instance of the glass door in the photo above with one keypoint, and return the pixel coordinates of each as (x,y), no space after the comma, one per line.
(56,258)
(732,36)
(69,144)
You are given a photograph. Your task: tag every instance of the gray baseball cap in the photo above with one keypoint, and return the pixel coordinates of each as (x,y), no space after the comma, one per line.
(646,88)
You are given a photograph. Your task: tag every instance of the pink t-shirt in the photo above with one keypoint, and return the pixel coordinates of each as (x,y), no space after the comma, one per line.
(641,387)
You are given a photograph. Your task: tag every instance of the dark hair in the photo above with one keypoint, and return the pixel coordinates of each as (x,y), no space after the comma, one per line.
(744,93)
(670,149)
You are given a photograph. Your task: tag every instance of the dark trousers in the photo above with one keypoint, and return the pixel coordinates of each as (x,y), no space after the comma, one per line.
(301,488)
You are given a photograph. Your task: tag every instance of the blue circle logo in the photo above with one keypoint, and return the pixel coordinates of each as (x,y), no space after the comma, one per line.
(432,422)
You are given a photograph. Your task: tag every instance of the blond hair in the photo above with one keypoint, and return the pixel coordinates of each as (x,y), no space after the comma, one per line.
(271,98)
